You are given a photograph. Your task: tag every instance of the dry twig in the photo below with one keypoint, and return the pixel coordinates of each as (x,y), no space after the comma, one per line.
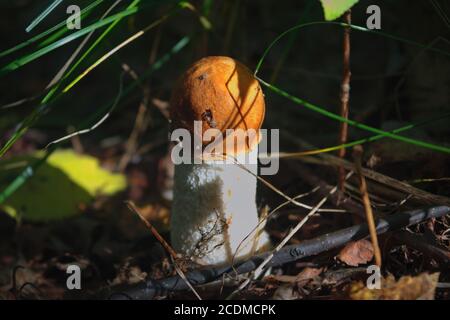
(166,246)
(153,288)
(357,153)
(345,96)
(261,267)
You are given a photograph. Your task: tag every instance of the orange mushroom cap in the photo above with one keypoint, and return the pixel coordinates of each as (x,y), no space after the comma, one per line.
(223,94)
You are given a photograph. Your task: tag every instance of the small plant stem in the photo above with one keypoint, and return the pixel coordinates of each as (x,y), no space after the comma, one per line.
(345,96)
(153,230)
(357,154)
(166,246)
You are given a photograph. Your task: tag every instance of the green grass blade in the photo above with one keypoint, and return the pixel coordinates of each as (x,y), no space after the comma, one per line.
(60,33)
(373,138)
(31,119)
(291,41)
(86,53)
(49,31)
(23,177)
(334,116)
(353,123)
(29,171)
(117,48)
(35,55)
(35,115)
(341,24)
(43,15)
(22,128)
(138,82)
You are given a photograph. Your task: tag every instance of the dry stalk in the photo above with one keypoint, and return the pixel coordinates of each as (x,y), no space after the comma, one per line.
(166,246)
(345,96)
(357,154)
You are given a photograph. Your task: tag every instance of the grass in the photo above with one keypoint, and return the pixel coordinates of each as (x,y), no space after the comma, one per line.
(55,38)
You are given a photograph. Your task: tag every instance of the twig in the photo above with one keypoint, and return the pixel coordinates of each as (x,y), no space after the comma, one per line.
(394,186)
(152,288)
(166,246)
(263,220)
(75,140)
(309,177)
(140,125)
(13,288)
(142,119)
(345,96)
(278,191)
(155,232)
(357,154)
(272,214)
(29,284)
(261,267)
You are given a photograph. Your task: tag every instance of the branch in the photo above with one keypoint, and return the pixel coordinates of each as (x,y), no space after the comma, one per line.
(153,288)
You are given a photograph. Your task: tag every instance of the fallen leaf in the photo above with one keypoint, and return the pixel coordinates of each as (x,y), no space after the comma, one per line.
(59,188)
(128,275)
(286,292)
(421,287)
(292,287)
(305,275)
(337,277)
(356,253)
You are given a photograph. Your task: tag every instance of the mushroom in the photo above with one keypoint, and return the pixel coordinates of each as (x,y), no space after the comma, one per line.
(214,201)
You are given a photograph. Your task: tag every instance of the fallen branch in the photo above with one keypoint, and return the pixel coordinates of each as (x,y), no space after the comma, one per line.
(153,288)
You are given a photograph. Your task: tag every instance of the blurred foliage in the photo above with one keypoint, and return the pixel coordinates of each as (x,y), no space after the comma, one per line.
(421,287)
(63,185)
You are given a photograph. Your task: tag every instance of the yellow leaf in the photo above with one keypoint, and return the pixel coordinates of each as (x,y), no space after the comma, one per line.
(421,287)
(333,9)
(60,187)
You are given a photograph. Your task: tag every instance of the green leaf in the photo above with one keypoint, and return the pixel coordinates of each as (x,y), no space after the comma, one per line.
(64,183)
(333,9)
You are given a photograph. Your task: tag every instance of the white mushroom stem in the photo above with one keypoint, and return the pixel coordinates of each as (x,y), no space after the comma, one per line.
(214,210)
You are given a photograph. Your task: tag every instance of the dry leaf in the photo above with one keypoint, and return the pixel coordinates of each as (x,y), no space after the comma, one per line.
(305,275)
(293,286)
(356,253)
(286,292)
(421,287)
